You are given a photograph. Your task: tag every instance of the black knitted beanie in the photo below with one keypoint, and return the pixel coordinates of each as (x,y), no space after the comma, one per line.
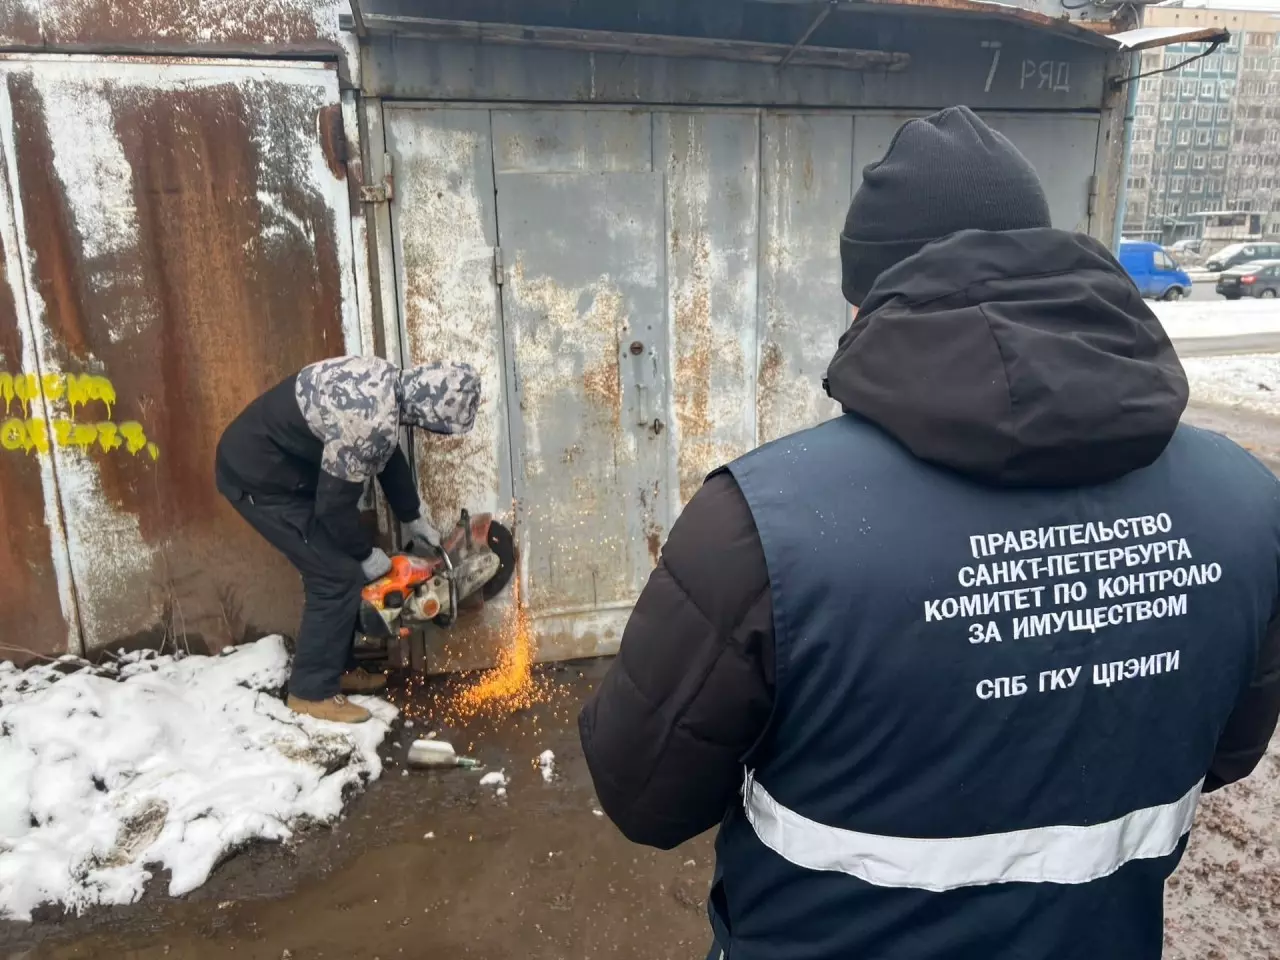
(941,174)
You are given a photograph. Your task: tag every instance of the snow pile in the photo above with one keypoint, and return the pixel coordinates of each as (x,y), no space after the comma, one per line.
(1191,319)
(547,763)
(495,779)
(160,761)
(1248,382)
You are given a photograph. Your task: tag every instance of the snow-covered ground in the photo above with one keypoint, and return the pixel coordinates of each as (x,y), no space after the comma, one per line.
(1247,382)
(160,762)
(1191,319)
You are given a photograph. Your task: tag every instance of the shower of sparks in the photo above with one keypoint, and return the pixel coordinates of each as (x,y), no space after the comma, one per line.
(510,685)
(514,684)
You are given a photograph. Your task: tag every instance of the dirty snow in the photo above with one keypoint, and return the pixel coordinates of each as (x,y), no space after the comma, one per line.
(157,762)
(1191,319)
(1250,382)
(496,779)
(1224,901)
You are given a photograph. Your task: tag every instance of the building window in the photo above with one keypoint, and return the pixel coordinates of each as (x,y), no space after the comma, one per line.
(1145,110)
(1273,89)
(1180,162)
(1177,184)
(1140,161)
(1166,136)
(1257,39)
(1208,89)
(1166,111)
(1202,138)
(1136,183)
(1197,184)
(1184,138)
(1226,89)
(1205,114)
(1219,162)
(1221,138)
(1188,89)
(1198,161)
(1188,112)
(1224,114)
(1151,61)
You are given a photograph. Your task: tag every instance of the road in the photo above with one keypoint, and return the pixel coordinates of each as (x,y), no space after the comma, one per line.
(1203,292)
(1229,346)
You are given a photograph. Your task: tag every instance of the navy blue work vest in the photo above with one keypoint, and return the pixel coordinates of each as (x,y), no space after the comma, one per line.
(994,707)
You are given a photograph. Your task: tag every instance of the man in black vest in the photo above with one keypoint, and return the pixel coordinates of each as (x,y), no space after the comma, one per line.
(951,671)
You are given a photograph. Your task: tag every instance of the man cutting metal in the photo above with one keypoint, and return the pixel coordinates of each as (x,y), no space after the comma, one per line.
(295,464)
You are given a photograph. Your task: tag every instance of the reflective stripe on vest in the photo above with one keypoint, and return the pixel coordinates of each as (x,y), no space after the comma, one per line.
(1060,854)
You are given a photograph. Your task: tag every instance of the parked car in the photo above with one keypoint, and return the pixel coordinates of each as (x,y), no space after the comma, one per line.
(1260,279)
(1239,254)
(1155,273)
(1186,246)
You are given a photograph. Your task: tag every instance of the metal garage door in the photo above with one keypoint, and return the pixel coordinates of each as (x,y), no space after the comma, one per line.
(648,293)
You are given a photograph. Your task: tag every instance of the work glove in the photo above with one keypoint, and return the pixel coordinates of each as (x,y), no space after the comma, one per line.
(421,532)
(376,565)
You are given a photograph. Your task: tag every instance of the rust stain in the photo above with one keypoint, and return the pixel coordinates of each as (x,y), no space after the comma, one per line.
(219,315)
(19,24)
(333,139)
(769,386)
(654,539)
(696,347)
(173,24)
(602,384)
(29,604)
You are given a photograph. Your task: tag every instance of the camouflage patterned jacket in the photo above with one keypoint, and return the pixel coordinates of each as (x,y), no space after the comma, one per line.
(356,406)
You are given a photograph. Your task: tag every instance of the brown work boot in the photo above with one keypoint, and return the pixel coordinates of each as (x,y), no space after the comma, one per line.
(336,709)
(361,680)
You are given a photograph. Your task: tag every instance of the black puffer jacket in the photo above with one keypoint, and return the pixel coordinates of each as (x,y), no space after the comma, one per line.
(1075,384)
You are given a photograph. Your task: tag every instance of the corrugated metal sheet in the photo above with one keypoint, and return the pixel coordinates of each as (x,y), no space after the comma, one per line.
(204,26)
(183,233)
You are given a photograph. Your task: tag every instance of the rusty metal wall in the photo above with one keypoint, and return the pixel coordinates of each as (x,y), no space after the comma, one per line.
(986,64)
(651,292)
(189,26)
(181,231)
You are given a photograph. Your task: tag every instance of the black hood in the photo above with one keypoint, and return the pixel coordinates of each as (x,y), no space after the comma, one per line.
(1018,358)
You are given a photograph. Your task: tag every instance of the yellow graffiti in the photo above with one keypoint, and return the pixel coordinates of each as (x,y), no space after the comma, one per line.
(80,389)
(32,436)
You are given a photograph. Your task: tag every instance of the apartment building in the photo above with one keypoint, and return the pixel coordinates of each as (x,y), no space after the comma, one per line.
(1206,133)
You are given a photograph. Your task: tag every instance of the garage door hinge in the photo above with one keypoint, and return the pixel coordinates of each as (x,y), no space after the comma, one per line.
(1092,186)
(499,268)
(383,192)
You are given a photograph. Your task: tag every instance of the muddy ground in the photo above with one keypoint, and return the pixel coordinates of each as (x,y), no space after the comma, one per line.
(434,865)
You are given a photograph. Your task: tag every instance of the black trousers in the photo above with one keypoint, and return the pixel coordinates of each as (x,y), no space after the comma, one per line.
(331,581)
